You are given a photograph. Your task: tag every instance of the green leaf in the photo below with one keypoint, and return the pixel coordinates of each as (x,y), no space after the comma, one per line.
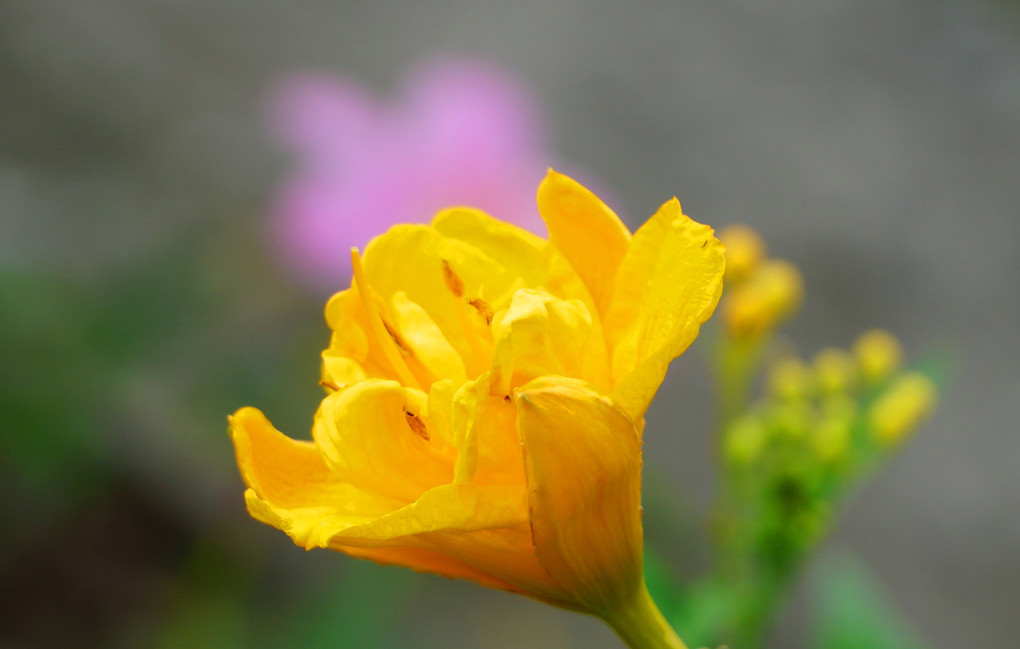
(855,612)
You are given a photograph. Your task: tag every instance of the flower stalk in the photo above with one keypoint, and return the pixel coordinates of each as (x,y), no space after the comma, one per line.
(642,626)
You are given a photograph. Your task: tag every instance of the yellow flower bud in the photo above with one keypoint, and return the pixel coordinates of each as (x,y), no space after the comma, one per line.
(487,390)
(789,379)
(772,292)
(835,370)
(744,250)
(878,355)
(902,407)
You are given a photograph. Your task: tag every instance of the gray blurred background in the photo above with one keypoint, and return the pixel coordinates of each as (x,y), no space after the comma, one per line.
(876,144)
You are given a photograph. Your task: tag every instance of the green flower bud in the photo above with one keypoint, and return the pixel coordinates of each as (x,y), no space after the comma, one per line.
(745,440)
(789,379)
(835,371)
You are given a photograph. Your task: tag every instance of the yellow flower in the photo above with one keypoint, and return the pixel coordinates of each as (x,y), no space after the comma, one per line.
(486,391)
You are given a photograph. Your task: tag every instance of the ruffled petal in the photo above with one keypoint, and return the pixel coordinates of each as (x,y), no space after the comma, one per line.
(531,259)
(583,460)
(312,527)
(352,339)
(428,561)
(540,334)
(669,283)
(442,276)
(446,508)
(588,233)
(288,472)
(483,528)
(373,436)
(475,532)
(339,371)
(425,340)
(291,487)
(485,429)
(439,410)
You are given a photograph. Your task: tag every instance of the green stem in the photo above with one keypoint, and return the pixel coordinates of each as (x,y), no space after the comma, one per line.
(736,362)
(642,626)
(754,617)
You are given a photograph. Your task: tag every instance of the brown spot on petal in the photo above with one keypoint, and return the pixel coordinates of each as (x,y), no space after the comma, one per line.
(397,339)
(326,383)
(415,423)
(482,307)
(453,281)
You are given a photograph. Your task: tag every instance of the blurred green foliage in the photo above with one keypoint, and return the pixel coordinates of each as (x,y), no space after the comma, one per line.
(853,612)
(114,392)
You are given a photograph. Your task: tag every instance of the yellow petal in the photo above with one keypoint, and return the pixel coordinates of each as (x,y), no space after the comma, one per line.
(373,436)
(439,410)
(445,508)
(289,472)
(417,260)
(669,283)
(339,371)
(532,259)
(429,561)
(473,532)
(425,340)
(583,460)
(588,233)
(313,527)
(291,487)
(482,527)
(488,449)
(345,315)
(540,334)
(513,246)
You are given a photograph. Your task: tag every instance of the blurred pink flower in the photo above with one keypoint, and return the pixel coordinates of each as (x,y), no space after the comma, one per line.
(458,132)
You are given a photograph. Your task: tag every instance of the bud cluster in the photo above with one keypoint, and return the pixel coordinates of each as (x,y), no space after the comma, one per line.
(822,425)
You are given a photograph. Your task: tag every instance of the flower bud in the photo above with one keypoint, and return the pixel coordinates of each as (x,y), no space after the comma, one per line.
(789,379)
(831,440)
(878,354)
(831,437)
(790,420)
(834,371)
(772,292)
(745,440)
(744,250)
(902,407)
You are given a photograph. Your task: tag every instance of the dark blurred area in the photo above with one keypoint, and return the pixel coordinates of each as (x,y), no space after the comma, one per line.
(874,144)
